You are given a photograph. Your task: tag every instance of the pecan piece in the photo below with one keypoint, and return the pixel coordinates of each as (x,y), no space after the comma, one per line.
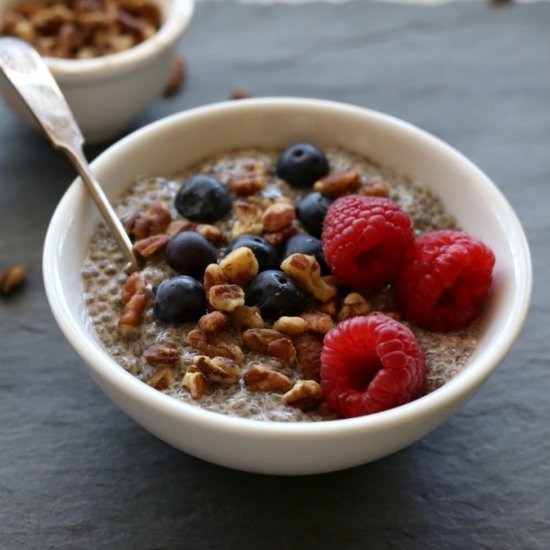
(305,395)
(216,343)
(374,187)
(270,342)
(290,325)
(354,305)
(12,277)
(249,219)
(226,297)
(213,321)
(306,270)
(277,238)
(151,245)
(240,266)
(277,216)
(318,322)
(218,369)
(330,307)
(338,183)
(245,317)
(162,379)
(213,275)
(154,220)
(195,383)
(134,297)
(212,233)
(258,378)
(161,356)
(309,347)
(250,182)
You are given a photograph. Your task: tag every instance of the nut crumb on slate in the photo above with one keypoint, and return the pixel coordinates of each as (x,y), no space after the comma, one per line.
(12,278)
(297,347)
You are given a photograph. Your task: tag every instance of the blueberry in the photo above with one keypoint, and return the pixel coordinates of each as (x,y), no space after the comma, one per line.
(311,211)
(179,300)
(302,165)
(189,253)
(306,244)
(276,294)
(265,252)
(203,199)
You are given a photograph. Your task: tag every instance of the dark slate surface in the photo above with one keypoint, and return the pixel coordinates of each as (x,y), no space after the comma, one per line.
(75,472)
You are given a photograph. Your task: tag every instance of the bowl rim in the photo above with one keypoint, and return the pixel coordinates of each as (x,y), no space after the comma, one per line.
(459,388)
(175,21)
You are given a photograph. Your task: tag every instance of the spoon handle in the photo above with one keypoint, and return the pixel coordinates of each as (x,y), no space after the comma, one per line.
(31,78)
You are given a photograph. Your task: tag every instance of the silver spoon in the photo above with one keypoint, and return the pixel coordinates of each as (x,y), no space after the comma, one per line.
(33,81)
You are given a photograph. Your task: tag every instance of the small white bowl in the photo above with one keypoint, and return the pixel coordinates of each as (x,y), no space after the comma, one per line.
(107,93)
(168,146)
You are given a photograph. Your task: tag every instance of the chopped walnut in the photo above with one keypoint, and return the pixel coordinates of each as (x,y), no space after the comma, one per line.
(245,317)
(240,266)
(258,378)
(161,356)
(195,383)
(154,220)
(278,216)
(374,187)
(151,245)
(213,321)
(226,297)
(290,325)
(338,183)
(306,270)
(134,297)
(162,379)
(304,395)
(354,305)
(215,344)
(219,370)
(309,347)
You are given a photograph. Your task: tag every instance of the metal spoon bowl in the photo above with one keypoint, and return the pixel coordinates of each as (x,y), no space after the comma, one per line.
(34,83)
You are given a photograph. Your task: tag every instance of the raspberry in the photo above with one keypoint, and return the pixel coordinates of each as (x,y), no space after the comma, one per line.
(445,278)
(370,364)
(364,239)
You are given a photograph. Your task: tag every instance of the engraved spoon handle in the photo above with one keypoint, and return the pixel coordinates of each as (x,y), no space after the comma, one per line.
(32,80)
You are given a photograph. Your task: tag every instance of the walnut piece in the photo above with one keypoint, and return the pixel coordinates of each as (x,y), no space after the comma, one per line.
(12,277)
(195,383)
(161,356)
(240,266)
(306,270)
(219,370)
(215,344)
(245,317)
(290,325)
(213,321)
(162,379)
(258,378)
(309,347)
(134,297)
(338,183)
(277,216)
(305,395)
(226,297)
(151,245)
(249,219)
(270,342)
(152,221)
(353,305)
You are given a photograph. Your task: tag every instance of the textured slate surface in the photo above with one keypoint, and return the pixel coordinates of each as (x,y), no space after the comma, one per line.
(75,472)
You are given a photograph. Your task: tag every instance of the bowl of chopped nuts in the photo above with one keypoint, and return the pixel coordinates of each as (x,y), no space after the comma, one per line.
(310,298)
(111,58)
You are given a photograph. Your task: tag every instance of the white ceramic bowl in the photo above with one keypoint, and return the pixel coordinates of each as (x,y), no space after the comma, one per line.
(166,147)
(107,93)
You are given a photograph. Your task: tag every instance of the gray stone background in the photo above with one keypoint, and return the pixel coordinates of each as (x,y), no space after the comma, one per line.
(75,472)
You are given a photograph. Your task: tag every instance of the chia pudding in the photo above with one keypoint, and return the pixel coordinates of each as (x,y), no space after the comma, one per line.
(104,278)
